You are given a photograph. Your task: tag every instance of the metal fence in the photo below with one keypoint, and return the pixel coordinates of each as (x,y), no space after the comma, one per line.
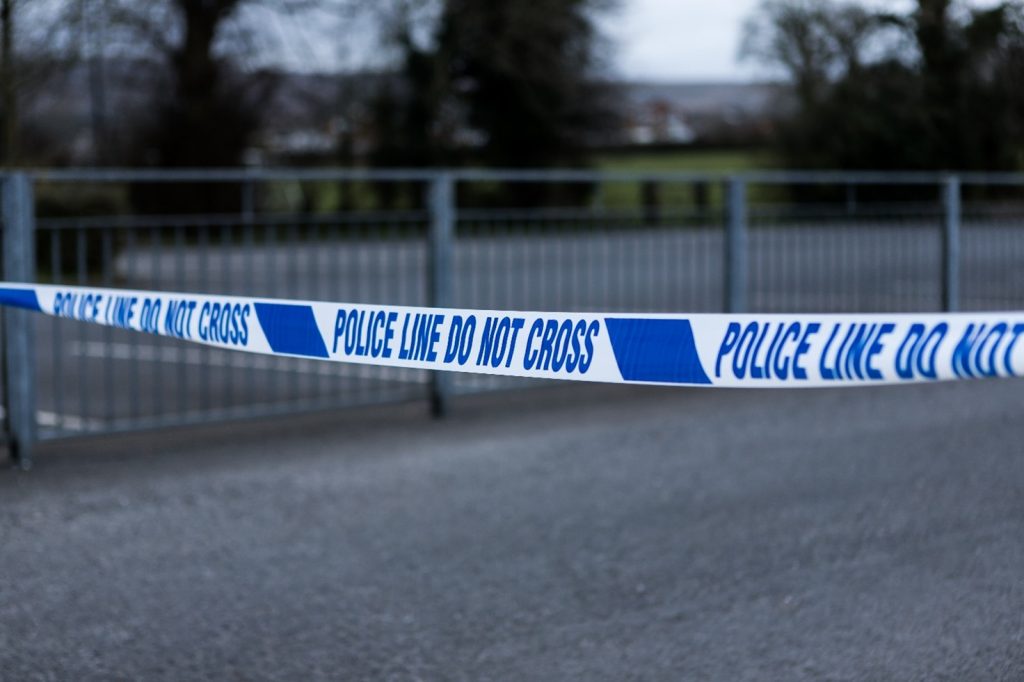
(566,240)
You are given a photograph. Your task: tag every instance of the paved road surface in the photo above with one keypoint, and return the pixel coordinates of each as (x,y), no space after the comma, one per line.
(593,533)
(884,265)
(878,264)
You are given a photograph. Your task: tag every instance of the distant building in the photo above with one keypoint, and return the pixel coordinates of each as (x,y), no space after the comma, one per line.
(327,118)
(656,122)
(689,113)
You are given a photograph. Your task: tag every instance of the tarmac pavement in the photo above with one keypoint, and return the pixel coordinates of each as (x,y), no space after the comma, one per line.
(573,532)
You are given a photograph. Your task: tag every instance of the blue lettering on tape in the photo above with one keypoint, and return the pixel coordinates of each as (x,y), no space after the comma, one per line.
(655,350)
(20,298)
(291,329)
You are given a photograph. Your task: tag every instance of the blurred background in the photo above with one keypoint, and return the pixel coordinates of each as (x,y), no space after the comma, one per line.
(681,156)
(772,155)
(649,84)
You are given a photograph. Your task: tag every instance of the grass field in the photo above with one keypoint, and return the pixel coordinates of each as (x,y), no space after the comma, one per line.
(628,195)
(703,160)
(612,195)
(323,197)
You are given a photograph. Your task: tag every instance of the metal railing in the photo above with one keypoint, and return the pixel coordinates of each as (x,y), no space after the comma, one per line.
(627,242)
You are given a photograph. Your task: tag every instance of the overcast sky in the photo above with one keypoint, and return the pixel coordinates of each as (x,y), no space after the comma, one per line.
(669,40)
(692,39)
(680,39)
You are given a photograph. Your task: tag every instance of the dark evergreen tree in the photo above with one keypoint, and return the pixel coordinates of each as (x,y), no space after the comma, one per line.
(502,84)
(938,88)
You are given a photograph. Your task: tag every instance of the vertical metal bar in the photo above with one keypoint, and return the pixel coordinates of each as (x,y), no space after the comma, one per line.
(323,248)
(383,232)
(603,279)
(951,244)
(736,250)
(759,271)
(248,202)
(651,202)
(835,267)
(360,283)
(107,277)
(58,345)
(205,353)
(385,246)
(84,331)
(249,260)
(157,273)
(19,263)
(133,339)
(632,281)
(181,381)
(226,284)
(583,255)
(294,246)
(441,201)
(271,274)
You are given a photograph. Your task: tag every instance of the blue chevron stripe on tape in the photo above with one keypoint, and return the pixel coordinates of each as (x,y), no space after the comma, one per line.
(291,329)
(658,350)
(20,298)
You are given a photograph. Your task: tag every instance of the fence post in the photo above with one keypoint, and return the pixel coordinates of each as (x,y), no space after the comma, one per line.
(736,251)
(951,215)
(851,198)
(651,202)
(19,265)
(441,203)
(248,201)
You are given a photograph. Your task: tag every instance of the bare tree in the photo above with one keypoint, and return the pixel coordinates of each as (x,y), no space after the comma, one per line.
(7,94)
(33,47)
(188,78)
(936,87)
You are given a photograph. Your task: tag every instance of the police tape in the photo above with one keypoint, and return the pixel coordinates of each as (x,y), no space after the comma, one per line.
(692,350)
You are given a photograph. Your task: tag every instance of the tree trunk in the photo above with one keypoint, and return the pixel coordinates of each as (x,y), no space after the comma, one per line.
(8,100)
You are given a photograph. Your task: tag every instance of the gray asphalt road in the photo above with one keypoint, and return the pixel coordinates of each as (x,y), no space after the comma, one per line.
(842,265)
(592,533)
(874,265)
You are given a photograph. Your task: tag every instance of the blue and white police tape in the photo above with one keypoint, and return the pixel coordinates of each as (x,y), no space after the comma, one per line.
(691,350)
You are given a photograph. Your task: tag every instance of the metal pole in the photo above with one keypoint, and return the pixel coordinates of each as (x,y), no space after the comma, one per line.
(441,203)
(951,216)
(651,203)
(736,251)
(19,265)
(248,202)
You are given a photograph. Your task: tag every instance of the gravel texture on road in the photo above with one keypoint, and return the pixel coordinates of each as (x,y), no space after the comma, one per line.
(591,533)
